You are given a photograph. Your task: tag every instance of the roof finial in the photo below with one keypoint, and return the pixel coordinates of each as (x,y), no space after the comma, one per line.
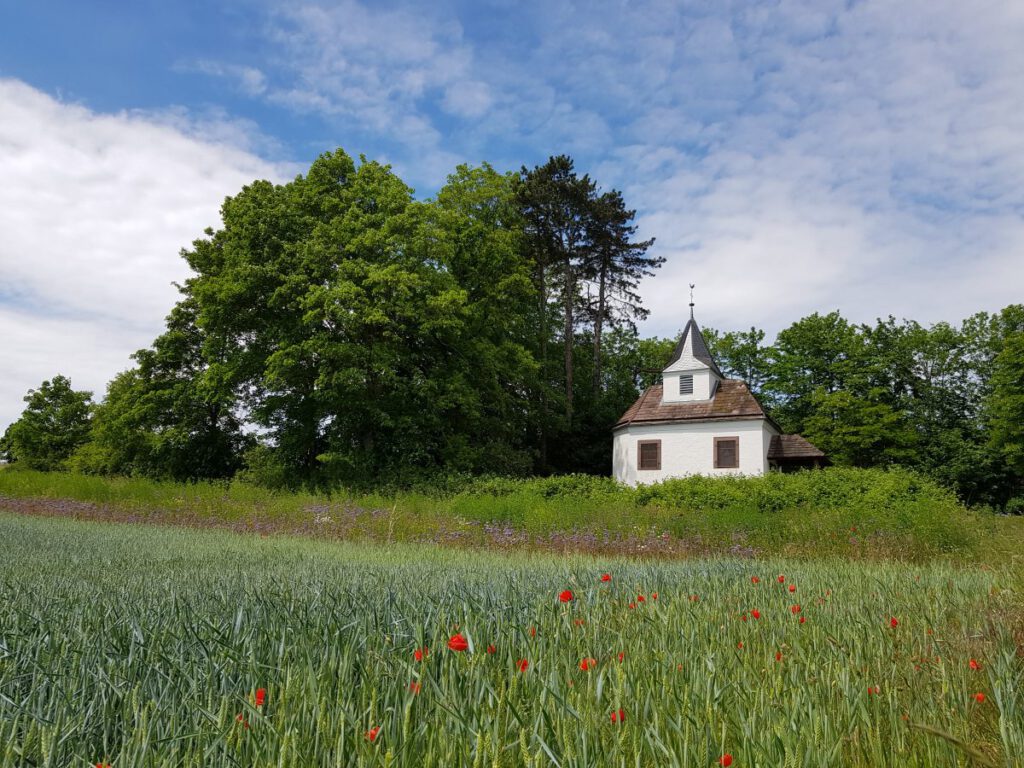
(692,286)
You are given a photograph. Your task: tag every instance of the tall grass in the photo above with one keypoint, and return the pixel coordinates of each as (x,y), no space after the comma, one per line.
(849,512)
(144,646)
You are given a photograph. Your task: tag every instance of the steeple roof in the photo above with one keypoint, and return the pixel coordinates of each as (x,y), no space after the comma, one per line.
(699,348)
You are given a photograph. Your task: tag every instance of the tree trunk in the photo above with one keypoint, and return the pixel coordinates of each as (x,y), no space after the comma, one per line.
(568,299)
(542,292)
(598,327)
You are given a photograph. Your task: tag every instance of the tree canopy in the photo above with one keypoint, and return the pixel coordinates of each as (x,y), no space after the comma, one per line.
(53,425)
(337,330)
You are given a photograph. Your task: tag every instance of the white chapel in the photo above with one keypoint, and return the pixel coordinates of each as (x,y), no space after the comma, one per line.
(696,421)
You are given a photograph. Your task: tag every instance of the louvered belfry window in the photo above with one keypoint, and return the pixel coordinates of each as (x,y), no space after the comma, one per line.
(648,454)
(727,453)
(686,384)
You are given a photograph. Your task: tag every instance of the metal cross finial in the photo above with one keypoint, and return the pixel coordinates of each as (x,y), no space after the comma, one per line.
(692,286)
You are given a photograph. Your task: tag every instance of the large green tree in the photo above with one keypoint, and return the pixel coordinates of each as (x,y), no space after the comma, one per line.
(365,332)
(555,204)
(54,424)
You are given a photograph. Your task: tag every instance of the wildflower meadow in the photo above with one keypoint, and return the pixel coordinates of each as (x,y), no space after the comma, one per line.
(126,645)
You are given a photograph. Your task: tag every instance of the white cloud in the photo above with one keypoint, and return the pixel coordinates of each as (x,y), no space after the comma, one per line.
(467,99)
(250,80)
(94,209)
(875,168)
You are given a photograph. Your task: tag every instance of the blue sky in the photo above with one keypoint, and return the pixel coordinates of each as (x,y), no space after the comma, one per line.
(790,157)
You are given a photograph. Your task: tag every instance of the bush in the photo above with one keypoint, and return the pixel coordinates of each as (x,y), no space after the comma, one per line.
(836,511)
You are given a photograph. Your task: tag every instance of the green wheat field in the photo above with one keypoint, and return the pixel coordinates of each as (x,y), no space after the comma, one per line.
(148,646)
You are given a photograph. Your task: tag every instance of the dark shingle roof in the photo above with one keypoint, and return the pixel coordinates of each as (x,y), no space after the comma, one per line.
(700,347)
(732,400)
(793,447)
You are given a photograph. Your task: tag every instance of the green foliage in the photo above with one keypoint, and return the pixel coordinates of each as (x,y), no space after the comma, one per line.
(365,332)
(53,425)
(893,513)
(859,431)
(741,355)
(339,333)
(1006,404)
(169,416)
(146,645)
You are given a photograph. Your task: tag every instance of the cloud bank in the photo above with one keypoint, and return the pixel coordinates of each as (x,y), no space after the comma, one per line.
(94,210)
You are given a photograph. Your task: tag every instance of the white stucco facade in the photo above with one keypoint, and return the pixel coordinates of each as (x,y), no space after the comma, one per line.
(688,448)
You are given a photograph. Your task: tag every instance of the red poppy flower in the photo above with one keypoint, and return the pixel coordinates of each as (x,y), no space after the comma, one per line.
(606,577)
(893,623)
(980,698)
(523,665)
(755,613)
(371,735)
(778,655)
(792,587)
(619,716)
(654,595)
(743,617)
(754,580)
(740,646)
(261,696)
(725,760)
(241,718)
(102,765)
(694,598)
(420,653)
(565,596)
(587,664)
(796,608)
(632,605)
(782,579)
(533,631)
(491,649)
(457,642)
(872,690)
(803,619)
(640,598)
(974,664)
(622,655)
(579,622)
(415,687)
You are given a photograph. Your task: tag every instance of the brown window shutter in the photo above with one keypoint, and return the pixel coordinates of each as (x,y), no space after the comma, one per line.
(648,453)
(727,453)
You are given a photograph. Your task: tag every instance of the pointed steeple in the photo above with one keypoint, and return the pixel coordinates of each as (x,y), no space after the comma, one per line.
(692,343)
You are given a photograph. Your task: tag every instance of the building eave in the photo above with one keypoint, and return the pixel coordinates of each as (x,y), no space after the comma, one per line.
(702,420)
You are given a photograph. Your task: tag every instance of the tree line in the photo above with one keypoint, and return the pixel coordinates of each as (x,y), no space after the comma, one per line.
(337,331)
